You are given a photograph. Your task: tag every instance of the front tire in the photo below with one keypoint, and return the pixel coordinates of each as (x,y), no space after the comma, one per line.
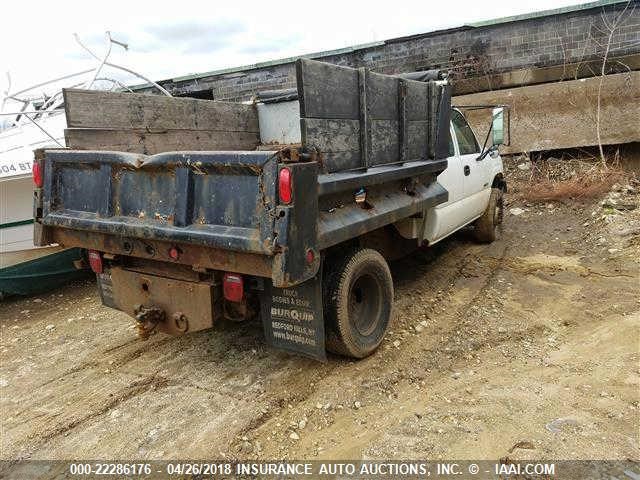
(358,299)
(486,225)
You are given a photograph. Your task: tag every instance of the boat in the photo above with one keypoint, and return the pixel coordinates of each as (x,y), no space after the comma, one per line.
(27,123)
(24,268)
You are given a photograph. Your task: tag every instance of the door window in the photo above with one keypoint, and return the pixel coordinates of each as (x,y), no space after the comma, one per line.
(452,152)
(467,142)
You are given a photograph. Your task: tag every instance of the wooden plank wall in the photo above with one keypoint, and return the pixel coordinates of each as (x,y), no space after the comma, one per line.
(563,114)
(359,119)
(150,124)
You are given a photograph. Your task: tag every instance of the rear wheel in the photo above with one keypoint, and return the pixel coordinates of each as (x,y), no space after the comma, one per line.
(486,225)
(358,297)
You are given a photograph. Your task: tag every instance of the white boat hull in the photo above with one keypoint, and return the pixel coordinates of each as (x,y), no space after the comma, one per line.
(8,259)
(16,188)
(16,223)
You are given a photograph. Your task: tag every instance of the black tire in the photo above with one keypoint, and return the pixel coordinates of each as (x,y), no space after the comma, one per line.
(357,301)
(486,225)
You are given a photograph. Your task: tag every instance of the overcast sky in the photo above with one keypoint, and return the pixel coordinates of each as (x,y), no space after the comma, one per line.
(178,38)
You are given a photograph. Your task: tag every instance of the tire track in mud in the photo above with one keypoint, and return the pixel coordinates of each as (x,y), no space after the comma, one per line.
(135,354)
(91,364)
(152,382)
(456,319)
(108,400)
(224,360)
(122,345)
(234,354)
(295,390)
(88,365)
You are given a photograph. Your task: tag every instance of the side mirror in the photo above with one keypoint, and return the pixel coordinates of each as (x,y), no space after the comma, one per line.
(497,127)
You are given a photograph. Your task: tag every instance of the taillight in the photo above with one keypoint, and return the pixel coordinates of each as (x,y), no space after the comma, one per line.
(174,253)
(284,185)
(36,169)
(310,256)
(95,260)
(233,287)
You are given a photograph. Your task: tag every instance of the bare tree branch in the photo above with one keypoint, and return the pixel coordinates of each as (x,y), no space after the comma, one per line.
(615,23)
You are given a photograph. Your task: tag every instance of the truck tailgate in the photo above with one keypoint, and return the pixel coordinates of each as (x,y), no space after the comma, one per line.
(216,199)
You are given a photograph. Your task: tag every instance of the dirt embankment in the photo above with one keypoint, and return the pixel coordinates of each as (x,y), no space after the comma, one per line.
(527,347)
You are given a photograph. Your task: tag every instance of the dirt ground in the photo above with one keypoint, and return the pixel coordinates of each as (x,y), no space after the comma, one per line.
(528,347)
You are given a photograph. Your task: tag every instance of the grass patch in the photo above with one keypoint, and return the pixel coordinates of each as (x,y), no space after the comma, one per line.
(554,179)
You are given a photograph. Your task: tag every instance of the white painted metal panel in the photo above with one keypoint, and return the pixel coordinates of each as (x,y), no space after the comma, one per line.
(279,122)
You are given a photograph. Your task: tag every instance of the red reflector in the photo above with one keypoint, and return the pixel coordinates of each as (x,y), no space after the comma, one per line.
(36,169)
(233,287)
(95,260)
(174,253)
(310,256)
(284,185)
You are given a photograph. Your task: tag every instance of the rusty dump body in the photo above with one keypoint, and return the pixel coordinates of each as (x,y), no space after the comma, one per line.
(169,225)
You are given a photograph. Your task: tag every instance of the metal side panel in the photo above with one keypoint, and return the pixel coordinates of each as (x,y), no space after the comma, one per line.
(356,118)
(350,221)
(296,229)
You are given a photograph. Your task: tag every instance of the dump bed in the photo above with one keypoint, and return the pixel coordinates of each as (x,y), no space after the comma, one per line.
(369,151)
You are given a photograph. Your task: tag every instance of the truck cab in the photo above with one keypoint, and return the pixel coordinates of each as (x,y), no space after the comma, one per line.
(469,179)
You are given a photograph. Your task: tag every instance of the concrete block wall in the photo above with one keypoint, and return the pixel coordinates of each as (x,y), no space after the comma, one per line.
(474,56)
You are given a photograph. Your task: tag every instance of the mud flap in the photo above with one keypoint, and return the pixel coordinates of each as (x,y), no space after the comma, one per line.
(293,318)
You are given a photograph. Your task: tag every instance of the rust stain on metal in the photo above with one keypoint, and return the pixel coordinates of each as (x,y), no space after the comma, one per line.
(170,305)
(147,319)
(192,255)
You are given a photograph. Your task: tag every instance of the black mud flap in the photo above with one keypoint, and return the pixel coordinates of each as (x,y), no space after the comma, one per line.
(293,318)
